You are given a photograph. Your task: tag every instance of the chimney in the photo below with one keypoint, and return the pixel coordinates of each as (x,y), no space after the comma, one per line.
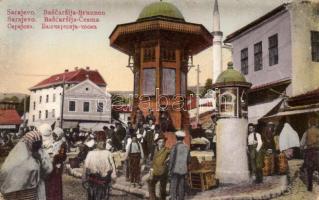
(87,68)
(66,70)
(76,68)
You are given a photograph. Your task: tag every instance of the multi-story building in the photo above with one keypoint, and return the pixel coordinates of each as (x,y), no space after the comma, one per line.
(279,54)
(80,94)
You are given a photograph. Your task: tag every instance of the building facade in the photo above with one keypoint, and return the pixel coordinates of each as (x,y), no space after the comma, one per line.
(45,105)
(278,53)
(48,99)
(86,103)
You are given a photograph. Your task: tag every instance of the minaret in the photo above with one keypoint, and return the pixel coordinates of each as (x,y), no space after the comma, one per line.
(217,43)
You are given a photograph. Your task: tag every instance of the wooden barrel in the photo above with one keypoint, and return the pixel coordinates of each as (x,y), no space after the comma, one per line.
(267,165)
(282,164)
(30,194)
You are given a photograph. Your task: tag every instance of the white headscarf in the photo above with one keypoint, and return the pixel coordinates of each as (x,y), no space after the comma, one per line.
(46,132)
(56,146)
(59,132)
(288,138)
(21,171)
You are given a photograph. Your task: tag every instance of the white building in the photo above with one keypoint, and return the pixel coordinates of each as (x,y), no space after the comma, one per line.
(85,99)
(279,54)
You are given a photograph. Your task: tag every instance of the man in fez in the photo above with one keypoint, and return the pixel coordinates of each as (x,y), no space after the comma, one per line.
(159,170)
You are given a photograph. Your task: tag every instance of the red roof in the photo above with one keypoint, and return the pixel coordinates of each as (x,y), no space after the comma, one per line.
(284,81)
(76,76)
(9,117)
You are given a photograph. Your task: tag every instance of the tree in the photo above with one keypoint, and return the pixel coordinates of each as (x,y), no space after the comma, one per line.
(13,99)
(208,86)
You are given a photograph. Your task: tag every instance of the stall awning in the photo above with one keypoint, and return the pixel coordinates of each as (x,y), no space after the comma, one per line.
(8,126)
(292,112)
(70,124)
(258,111)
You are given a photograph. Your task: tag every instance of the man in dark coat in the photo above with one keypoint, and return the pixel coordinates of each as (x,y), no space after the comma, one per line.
(150,117)
(178,167)
(310,144)
(159,170)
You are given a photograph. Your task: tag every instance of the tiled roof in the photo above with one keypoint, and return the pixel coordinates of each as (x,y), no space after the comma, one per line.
(9,117)
(270,84)
(71,77)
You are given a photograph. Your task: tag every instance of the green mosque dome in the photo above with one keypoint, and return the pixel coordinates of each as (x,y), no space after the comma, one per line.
(230,75)
(162,9)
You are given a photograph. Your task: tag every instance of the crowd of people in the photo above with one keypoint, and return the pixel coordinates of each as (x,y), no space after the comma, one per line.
(283,142)
(39,157)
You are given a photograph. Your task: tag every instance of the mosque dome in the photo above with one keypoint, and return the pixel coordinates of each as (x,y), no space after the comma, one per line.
(161,9)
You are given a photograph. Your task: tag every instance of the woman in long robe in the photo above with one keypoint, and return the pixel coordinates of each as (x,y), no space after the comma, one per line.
(53,184)
(28,163)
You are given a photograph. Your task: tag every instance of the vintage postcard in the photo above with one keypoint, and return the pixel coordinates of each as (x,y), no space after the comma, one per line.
(159,99)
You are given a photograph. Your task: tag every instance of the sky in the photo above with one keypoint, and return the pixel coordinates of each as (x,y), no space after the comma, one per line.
(29,56)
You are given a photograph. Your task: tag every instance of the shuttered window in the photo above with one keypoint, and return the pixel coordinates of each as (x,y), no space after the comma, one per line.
(258,56)
(315,46)
(244,61)
(273,50)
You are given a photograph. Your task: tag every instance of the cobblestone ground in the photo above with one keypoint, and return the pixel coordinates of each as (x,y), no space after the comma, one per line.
(297,190)
(73,190)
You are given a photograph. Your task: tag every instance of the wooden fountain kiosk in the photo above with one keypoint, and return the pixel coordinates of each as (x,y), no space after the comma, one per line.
(160,45)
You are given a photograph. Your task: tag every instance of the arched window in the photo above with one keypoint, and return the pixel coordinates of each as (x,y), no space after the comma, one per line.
(227,104)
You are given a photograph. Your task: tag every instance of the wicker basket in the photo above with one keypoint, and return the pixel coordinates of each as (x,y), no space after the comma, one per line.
(208,165)
(267,165)
(194,165)
(282,164)
(30,194)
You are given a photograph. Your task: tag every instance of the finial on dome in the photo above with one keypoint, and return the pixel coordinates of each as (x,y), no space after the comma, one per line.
(230,65)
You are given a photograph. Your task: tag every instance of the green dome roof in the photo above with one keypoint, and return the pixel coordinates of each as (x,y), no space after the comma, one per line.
(161,9)
(230,75)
